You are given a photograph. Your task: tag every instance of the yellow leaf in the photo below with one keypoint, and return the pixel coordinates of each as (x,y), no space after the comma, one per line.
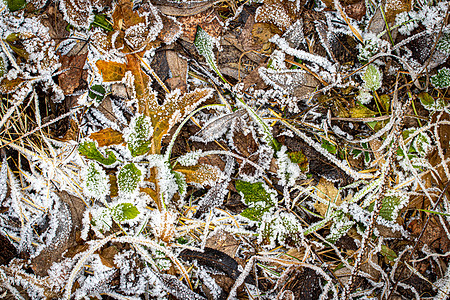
(111,71)
(326,190)
(107,137)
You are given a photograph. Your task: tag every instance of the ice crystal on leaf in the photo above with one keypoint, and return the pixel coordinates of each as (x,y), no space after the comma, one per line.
(442,79)
(341,225)
(77,12)
(95,183)
(392,203)
(128,179)
(444,43)
(164,225)
(138,135)
(372,78)
(279,227)
(259,197)
(288,171)
(124,211)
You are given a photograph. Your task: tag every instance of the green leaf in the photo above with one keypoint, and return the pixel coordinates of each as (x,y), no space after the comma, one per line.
(299,158)
(14,5)
(372,78)
(426,99)
(444,43)
(442,79)
(389,206)
(434,212)
(257,197)
(181,182)
(205,44)
(102,22)
(96,183)
(388,253)
(128,178)
(341,225)
(138,136)
(89,149)
(329,146)
(2,67)
(97,92)
(124,211)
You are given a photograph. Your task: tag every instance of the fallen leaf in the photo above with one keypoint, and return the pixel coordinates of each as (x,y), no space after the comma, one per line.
(107,137)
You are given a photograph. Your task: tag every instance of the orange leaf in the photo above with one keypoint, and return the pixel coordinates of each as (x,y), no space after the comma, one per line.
(107,137)
(203,175)
(111,71)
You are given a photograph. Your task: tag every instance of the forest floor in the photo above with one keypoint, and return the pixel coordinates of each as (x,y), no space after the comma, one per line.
(269,149)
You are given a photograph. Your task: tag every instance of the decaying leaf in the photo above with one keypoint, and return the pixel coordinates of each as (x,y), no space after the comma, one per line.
(107,137)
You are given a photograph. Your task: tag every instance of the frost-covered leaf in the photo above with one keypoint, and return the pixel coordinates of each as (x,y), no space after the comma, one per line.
(205,45)
(95,182)
(422,144)
(128,179)
(341,225)
(174,109)
(138,135)
(111,71)
(431,103)
(442,79)
(215,259)
(259,198)
(279,13)
(391,205)
(279,227)
(217,127)
(444,43)
(89,149)
(77,12)
(138,27)
(124,211)
(181,182)
(372,78)
(201,175)
(288,171)
(97,92)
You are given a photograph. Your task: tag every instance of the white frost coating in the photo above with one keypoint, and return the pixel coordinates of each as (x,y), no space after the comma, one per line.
(190,159)
(300,54)
(95,183)
(364,97)
(288,172)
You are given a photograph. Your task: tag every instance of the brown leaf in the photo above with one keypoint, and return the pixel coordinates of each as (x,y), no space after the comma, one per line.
(223,241)
(77,12)
(279,13)
(183,9)
(8,86)
(72,65)
(178,69)
(208,20)
(65,233)
(394,7)
(107,137)
(327,191)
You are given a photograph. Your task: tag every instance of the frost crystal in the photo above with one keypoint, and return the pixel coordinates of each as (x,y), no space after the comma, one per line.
(138,135)
(288,171)
(95,183)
